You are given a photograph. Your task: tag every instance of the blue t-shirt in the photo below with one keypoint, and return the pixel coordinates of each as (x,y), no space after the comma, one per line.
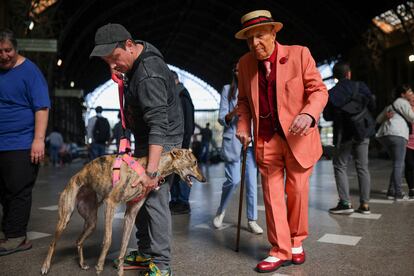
(23,91)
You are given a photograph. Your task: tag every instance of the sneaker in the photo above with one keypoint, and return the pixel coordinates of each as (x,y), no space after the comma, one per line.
(254,227)
(218,219)
(401,197)
(411,194)
(153,270)
(364,209)
(13,245)
(390,195)
(180,209)
(342,208)
(134,260)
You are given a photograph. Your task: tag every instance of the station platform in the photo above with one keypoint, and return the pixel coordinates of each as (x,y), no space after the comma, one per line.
(375,244)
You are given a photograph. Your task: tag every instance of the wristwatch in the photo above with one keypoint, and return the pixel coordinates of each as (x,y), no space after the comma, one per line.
(152,175)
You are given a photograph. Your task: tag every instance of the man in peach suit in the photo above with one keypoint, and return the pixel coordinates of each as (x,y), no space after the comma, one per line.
(281,90)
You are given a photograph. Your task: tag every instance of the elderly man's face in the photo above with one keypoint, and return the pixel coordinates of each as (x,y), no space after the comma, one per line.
(8,55)
(120,60)
(261,41)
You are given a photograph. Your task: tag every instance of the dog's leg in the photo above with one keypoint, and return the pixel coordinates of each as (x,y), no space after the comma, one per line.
(66,205)
(130,215)
(88,209)
(109,217)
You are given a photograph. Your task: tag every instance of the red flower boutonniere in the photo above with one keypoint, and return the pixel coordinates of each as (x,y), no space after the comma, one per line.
(283,60)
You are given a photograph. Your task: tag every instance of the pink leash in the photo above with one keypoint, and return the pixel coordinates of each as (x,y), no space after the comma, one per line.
(124,154)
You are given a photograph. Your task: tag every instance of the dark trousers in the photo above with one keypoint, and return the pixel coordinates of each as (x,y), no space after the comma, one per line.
(17,177)
(180,191)
(409,168)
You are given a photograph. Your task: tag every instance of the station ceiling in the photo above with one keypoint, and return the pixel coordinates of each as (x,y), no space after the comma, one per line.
(198,36)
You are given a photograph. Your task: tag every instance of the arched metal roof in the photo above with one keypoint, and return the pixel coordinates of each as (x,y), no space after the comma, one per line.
(198,36)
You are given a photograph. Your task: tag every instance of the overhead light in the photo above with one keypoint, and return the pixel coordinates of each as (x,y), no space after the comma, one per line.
(31,25)
(335,80)
(411,58)
(72,84)
(59,62)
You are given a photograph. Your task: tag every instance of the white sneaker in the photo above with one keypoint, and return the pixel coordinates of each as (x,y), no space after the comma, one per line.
(254,227)
(218,219)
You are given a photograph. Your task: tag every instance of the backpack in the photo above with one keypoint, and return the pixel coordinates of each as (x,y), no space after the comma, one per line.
(101,130)
(357,116)
(409,124)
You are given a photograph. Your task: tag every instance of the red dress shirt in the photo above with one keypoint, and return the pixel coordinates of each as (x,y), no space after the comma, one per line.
(269,119)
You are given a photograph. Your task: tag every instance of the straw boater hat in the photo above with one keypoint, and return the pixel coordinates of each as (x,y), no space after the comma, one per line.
(257,18)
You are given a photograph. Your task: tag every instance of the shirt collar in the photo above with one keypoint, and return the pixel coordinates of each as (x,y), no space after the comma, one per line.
(272,57)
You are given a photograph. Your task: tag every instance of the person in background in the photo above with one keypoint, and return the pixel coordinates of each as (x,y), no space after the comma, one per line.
(99,133)
(281,90)
(350,139)
(231,151)
(55,141)
(409,159)
(118,132)
(206,136)
(24,112)
(393,135)
(180,191)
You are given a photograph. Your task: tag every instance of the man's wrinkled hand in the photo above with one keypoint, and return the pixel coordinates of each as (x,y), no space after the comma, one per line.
(244,138)
(301,124)
(37,152)
(150,183)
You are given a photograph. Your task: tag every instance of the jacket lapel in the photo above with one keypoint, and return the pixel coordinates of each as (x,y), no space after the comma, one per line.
(254,84)
(282,67)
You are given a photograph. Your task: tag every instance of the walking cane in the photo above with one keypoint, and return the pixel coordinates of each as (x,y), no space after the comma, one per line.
(243,173)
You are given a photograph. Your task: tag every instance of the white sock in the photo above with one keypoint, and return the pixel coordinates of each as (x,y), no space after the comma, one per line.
(271,259)
(297,250)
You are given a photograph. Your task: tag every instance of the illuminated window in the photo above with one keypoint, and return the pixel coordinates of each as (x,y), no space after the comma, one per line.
(389,21)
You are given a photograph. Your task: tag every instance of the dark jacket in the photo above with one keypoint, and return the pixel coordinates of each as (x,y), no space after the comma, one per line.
(188,112)
(153,110)
(339,95)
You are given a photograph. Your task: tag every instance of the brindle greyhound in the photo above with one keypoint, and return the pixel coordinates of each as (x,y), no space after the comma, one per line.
(95,180)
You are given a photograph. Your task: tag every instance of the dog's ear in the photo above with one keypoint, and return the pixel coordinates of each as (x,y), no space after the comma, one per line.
(176,153)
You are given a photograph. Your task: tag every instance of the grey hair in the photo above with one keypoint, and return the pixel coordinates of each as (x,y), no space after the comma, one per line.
(7,34)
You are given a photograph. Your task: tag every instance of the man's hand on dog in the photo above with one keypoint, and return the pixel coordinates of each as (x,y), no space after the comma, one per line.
(147,181)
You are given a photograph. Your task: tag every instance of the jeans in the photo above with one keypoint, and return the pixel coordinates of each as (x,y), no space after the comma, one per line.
(54,154)
(396,147)
(180,191)
(97,150)
(205,148)
(233,176)
(343,153)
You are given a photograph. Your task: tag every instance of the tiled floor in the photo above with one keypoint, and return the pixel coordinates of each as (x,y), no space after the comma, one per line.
(376,244)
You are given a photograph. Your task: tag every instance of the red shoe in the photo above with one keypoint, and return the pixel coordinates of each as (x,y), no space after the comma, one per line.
(298,259)
(264,266)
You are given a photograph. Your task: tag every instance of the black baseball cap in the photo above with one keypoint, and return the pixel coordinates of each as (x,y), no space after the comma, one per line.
(107,37)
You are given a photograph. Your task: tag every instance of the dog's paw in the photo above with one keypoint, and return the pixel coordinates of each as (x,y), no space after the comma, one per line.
(98,269)
(44,270)
(84,266)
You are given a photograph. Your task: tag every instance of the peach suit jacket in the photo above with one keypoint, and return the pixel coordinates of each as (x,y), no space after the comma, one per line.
(299,89)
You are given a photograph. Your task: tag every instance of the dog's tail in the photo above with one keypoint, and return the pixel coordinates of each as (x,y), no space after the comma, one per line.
(67,204)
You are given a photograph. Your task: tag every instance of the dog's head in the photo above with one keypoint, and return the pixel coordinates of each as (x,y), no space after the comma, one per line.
(185,165)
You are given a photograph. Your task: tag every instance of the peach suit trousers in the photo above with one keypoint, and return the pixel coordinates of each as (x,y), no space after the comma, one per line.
(286,202)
